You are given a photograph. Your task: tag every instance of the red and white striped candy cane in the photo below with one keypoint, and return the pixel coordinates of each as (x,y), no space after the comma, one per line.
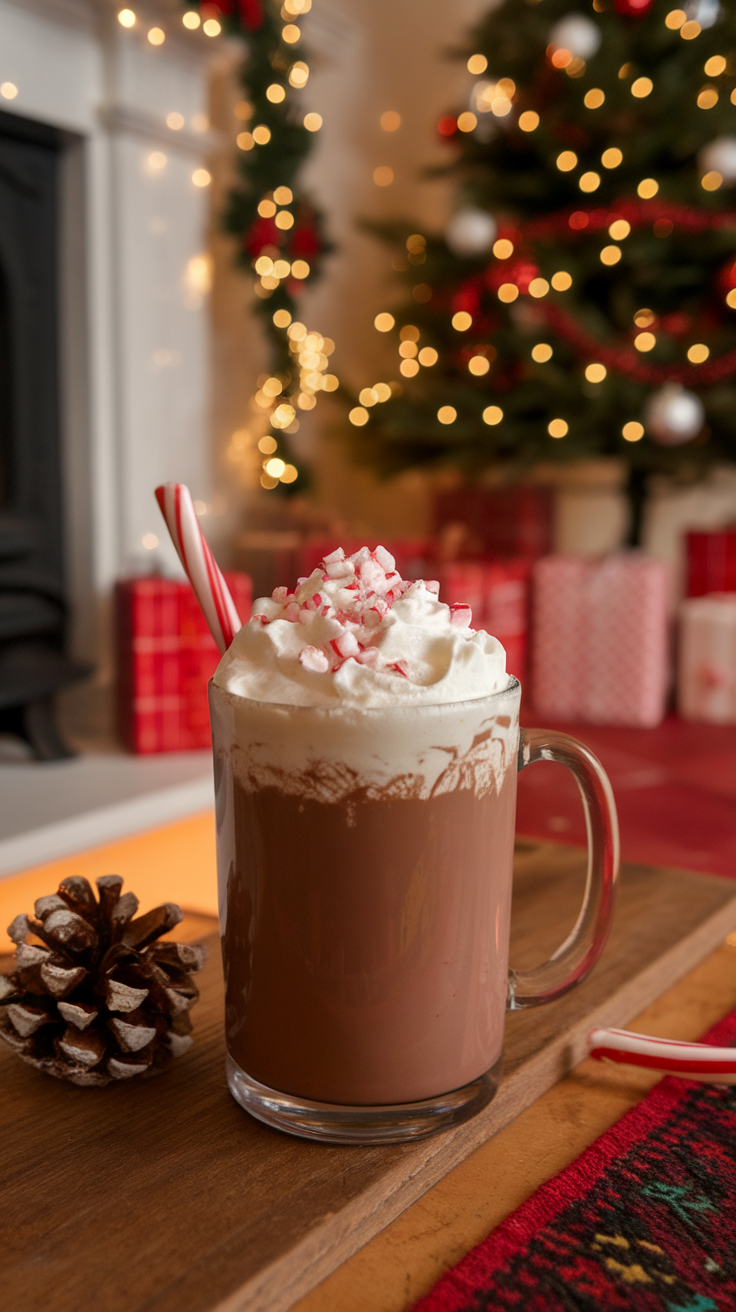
(692,1061)
(202,569)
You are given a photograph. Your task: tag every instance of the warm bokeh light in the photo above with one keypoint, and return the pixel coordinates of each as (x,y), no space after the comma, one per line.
(201,178)
(368,396)
(731,300)
(211,27)
(561,281)
(567,161)
(690,30)
(493,414)
(698,353)
(275,467)
(594,98)
(156,36)
(149,541)
(284,220)
(645,341)
(508,292)
(126,18)
(409,368)
(275,93)
(647,188)
(611,158)
(390,121)
(291,34)
(409,333)
(467,122)
(644,317)
(290,474)
(299,74)
(313,122)
(675,19)
(447,414)
(261,135)
(641,87)
(283,195)
(712,180)
(244,141)
(267,445)
(503,249)
(619,229)
(156,160)
(633,431)
(383,176)
(384,322)
(538,287)
(266,209)
(408,350)
(529,120)
(589,181)
(462,321)
(478,365)
(428,356)
(382,391)
(558,428)
(358,416)
(191,19)
(715,66)
(8,90)
(610,255)
(175,121)
(300,270)
(708,98)
(595,373)
(541,353)
(477,64)
(243,110)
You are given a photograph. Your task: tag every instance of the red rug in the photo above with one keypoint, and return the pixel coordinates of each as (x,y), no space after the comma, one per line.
(645,1219)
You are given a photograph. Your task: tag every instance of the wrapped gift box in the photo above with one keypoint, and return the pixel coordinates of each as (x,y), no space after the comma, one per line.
(165,658)
(601,639)
(513,521)
(706,682)
(711,562)
(498,594)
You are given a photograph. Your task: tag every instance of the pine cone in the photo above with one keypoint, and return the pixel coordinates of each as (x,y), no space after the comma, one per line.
(101,1000)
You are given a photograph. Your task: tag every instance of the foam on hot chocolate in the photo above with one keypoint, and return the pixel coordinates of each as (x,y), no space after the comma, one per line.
(355,634)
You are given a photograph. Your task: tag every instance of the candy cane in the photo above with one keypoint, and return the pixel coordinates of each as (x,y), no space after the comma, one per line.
(693,1061)
(202,570)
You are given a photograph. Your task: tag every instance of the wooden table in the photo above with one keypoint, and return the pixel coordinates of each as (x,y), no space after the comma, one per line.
(163,1196)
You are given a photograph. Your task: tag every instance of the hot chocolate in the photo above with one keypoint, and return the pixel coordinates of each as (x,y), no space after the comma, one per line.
(365,750)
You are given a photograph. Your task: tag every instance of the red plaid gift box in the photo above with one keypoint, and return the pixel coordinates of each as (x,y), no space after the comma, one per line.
(600,644)
(498,593)
(165,659)
(706,682)
(711,562)
(497,521)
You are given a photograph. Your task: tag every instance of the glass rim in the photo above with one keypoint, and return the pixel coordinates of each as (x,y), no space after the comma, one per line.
(512,688)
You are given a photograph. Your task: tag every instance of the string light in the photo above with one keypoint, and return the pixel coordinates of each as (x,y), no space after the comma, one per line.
(201,178)
(211,27)
(478,365)
(467,122)
(610,255)
(261,135)
(538,287)
(589,181)
(595,373)
(611,158)
(690,30)
(714,66)
(8,90)
(503,249)
(268,445)
(493,414)
(291,34)
(477,64)
(594,98)
(127,18)
(284,220)
(645,341)
(409,368)
(275,93)
(244,141)
(643,86)
(712,180)
(156,160)
(390,121)
(313,122)
(462,321)
(243,110)
(541,353)
(299,74)
(383,176)
(633,431)
(675,19)
(529,120)
(558,428)
(428,356)
(300,269)
(175,121)
(191,19)
(698,353)
(731,300)
(408,350)
(156,36)
(447,414)
(358,416)
(647,188)
(707,98)
(266,209)
(382,391)
(508,292)
(384,322)
(409,333)
(643,318)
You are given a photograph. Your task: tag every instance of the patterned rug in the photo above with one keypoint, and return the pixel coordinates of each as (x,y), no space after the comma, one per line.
(644,1219)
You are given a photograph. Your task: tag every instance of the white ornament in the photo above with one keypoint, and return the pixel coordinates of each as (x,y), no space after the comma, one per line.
(471,232)
(719,156)
(673,416)
(578,34)
(705,12)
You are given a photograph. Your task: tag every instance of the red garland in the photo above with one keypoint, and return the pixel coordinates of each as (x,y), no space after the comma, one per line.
(638,213)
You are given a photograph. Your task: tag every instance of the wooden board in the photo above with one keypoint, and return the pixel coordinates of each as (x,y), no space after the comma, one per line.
(166,1197)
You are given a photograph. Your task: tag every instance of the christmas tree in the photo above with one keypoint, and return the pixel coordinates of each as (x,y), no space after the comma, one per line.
(582,299)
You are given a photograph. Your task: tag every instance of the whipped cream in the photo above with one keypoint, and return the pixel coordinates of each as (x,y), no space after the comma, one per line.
(356,634)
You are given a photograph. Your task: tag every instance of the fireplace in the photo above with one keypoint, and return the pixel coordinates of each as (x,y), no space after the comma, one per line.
(33,597)
(103,323)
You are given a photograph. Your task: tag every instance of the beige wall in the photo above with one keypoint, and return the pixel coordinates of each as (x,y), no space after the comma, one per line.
(367,56)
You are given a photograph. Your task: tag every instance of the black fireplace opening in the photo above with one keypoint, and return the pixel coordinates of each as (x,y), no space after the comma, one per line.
(34,663)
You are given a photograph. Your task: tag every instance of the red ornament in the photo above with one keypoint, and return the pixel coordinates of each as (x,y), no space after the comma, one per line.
(447,126)
(633,8)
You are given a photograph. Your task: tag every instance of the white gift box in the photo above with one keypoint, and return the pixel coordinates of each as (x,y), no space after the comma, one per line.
(706,684)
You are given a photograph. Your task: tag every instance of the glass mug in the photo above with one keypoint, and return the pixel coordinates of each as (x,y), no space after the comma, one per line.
(365,870)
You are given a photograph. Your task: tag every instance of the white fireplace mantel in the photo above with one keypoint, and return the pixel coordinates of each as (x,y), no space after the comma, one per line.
(134,341)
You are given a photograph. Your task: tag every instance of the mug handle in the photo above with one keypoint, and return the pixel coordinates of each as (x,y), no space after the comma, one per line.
(583,946)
